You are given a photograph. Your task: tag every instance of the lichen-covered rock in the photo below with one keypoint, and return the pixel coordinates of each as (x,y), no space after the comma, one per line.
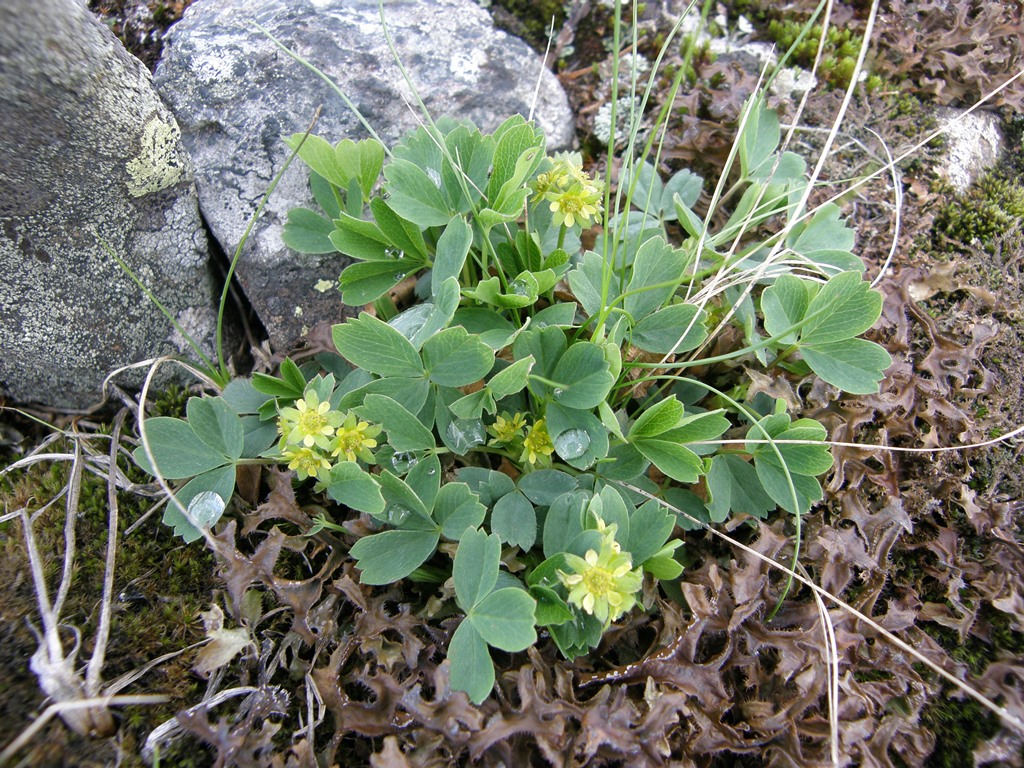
(91,163)
(236,95)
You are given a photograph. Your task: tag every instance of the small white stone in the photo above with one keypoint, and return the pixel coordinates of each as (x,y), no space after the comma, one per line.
(974,143)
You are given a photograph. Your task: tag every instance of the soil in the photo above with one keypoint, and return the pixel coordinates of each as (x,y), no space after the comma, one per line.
(931,546)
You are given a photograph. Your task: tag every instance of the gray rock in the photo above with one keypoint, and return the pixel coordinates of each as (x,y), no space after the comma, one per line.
(88,156)
(974,144)
(236,95)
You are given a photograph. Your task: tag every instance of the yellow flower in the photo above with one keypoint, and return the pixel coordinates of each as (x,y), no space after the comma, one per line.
(577,205)
(355,439)
(307,462)
(603,583)
(507,428)
(309,423)
(537,446)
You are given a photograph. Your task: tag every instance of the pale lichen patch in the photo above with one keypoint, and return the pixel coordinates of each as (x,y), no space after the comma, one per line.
(159,163)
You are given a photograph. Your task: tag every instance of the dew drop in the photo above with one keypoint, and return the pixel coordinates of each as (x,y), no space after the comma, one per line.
(559,391)
(520,288)
(398,276)
(434,177)
(403,461)
(393,253)
(396,514)
(463,434)
(572,443)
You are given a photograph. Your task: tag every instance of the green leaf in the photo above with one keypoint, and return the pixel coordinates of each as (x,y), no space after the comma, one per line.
(473,153)
(452,249)
(649,529)
(545,485)
(473,405)
(405,431)
(487,484)
(361,239)
(687,185)
(365,282)
(674,460)
(512,379)
(453,358)
(259,436)
(398,494)
(490,291)
(688,220)
(854,365)
(439,313)
(584,376)
(760,138)
(657,419)
(676,328)
(323,192)
(734,487)
(177,450)
(846,306)
(663,567)
(458,509)
(647,189)
(319,155)
(372,345)
(217,425)
(411,394)
(415,196)
(243,397)
(698,427)
(551,609)
(546,346)
(350,485)
(824,238)
(546,574)
(564,521)
(492,329)
(514,520)
(386,557)
(424,479)
(472,670)
(220,481)
(775,482)
(405,236)
(475,569)
(586,282)
(307,231)
(579,437)
(784,305)
(657,272)
(505,619)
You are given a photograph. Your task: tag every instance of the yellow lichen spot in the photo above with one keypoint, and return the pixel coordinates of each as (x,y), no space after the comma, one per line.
(323,285)
(159,163)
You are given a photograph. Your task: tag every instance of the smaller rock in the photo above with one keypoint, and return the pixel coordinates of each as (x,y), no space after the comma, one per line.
(974,143)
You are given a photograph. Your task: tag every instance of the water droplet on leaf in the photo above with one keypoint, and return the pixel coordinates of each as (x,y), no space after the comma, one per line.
(396,514)
(403,461)
(572,443)
(463,434)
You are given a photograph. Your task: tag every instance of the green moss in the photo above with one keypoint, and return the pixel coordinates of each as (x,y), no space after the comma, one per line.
(839,53)
(958,726)
(992,207)
(530,19)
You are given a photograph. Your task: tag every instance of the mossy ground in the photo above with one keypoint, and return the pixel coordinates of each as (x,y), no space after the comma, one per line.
(160,586)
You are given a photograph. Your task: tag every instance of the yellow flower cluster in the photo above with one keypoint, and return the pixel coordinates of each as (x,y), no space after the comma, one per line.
(603,582)
(312,433)
(574,197)
(536,444)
